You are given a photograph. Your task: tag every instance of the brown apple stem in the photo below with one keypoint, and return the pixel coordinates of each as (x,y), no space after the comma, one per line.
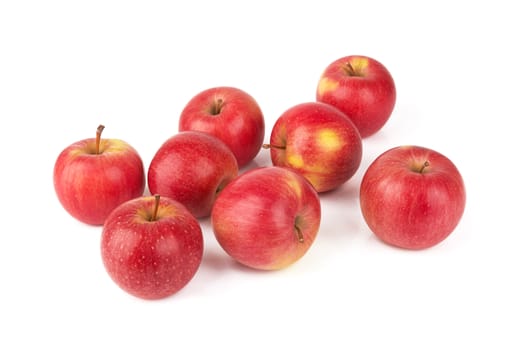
(268,146)
(425,164)
(217,106)
(97,139)
(300,236)
(155,208)
(349,69)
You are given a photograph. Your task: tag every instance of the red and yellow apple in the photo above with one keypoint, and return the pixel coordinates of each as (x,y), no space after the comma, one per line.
(151,246)
(319,142)
(231,115)
(192,167)
(362,88)
(93,176)
(412,197)
(267,218)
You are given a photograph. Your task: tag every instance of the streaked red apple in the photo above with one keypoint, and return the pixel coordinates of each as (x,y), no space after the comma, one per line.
(362,88)
(267,218)
(230,114)
(151,246)
(93,176)
(319,142)
(192,167)
(412,197)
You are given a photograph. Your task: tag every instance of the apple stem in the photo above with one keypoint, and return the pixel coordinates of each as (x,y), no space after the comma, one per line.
(155,208)
(349,69)
(268,146)
(425,164)
(300,236)
(217,106)
(97,139)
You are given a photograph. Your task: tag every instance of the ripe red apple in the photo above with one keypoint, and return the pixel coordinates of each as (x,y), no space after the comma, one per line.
(93,176)
(318,141)
(151,246)
(267,218)
(362,88)
(412,197)
(231,115)
(192,167)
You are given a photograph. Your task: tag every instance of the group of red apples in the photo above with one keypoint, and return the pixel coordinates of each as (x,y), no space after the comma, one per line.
(265,217)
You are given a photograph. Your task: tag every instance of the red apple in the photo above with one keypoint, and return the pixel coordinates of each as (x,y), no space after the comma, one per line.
(93,176)
(267,218)
(412,197)
(151,246)
(362,88)
(231,115)
(192,167)
(318,141)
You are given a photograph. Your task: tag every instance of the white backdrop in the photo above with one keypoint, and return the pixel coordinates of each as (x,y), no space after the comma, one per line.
(66,67)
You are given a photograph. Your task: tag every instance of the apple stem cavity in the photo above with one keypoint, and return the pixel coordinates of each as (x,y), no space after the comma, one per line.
(424,166)
(349,69)
(217,106)
(97,139)
(268,146)
(155,208)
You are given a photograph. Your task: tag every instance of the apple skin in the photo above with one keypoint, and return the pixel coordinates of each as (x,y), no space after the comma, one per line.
(267,218)
(319,142)
(362,88)
(89,185)
(231,115)
(192,167)
(151,256)
(412,197)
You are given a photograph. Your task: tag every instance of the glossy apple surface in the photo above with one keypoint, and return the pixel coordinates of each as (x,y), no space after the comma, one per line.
(267,218)
(151,246)
(231,115)
(412,197)
(318,141)
(192,167)
(362,88)
(93,176)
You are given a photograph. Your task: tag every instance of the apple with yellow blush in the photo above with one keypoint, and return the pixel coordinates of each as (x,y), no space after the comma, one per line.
(362,88)
(319,142)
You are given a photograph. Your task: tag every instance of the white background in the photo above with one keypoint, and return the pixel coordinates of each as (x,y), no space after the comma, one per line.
(66,67)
